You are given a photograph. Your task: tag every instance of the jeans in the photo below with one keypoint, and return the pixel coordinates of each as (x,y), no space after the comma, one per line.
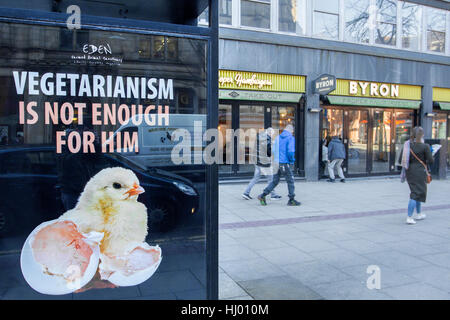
(284,169)
(256,177)
(338,164)
(414,204)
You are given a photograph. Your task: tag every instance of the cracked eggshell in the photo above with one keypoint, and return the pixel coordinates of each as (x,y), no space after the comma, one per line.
(45,283)
(117,269)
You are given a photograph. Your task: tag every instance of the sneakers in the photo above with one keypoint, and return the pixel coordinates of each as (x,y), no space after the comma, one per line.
(343,180)
(420,216)
(246,196)
(293,202)
(262,200)
(410,220)
(331,180)
(275,197)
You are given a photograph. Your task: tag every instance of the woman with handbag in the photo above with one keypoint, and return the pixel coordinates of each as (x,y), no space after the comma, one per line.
(416,156)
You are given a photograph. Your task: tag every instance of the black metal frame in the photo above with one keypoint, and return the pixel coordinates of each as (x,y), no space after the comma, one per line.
(299,132)
(369,155)
(209,34)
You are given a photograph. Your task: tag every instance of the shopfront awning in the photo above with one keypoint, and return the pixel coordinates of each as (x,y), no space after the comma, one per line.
(373,102)
(444,105)
(259,95)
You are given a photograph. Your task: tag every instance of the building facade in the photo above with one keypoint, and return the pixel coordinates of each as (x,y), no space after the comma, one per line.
(390,60)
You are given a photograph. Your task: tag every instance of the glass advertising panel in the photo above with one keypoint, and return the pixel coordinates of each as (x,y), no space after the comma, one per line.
(358,141)
(381,141)
(94,202)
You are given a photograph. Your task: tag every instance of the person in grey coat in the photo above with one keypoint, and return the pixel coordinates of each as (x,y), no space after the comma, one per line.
(336,156)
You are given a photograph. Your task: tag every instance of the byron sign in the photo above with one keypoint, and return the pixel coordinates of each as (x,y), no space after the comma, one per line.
(324,84)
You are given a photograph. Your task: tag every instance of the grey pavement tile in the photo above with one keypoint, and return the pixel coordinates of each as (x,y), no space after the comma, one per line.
(388,276)
(412,248)
(313,244)
(435,276)
(245,233)
(226,240)
(279,288)
(349,290)
(376,236)
(340,258)
(361,246)
(315,272)
(228,288)
(439,259)
(236,252)
(170,282)
(417,291)
(250,269)
(284,256)
(260,243)
(334,235)
(424,238)
(396,260)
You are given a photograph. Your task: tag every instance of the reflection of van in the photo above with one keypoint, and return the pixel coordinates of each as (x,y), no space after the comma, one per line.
(156,142)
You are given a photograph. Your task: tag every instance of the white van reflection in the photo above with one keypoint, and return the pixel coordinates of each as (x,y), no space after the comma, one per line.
(156,142)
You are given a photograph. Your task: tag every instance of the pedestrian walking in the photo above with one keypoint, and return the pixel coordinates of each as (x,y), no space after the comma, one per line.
(336,156)
(416,156)
(263,166)
(325,160)
(284,156)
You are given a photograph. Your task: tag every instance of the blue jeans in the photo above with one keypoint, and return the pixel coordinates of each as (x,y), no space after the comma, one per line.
(284,169)
(256,177)
(413,204)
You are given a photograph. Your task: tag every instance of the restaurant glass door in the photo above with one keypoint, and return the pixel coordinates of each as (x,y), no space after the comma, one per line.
(358,121)
(381,141)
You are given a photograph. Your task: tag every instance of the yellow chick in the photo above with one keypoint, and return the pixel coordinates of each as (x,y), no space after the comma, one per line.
(109,204)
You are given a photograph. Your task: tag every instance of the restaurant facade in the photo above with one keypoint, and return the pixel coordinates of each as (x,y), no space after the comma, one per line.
(388,78)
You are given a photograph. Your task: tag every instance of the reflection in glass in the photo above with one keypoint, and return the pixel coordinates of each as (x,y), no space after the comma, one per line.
(326,25)
(402,128)
(331,6)
(250,117)
(386,22)
(436,27)
(381,141)
(439,130)
(225,11)
(281,117)
(411,25)
(224,124)
(357,141)
(255,13)
(287,15)
(356,21)
(333,121)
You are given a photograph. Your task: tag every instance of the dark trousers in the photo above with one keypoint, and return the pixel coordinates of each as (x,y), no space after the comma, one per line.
(284,169)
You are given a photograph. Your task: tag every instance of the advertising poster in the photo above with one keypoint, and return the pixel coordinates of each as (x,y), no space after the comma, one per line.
(93,204)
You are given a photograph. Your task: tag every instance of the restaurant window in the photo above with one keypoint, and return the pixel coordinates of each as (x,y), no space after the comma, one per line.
(436,28)
(326,19)
(386,29)
(255,13)
(411,25)
(357,21)
(439,130)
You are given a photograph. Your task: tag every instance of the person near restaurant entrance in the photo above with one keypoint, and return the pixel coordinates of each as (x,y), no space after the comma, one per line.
(284,156)
(415,157)
(263,166)
(325,160)
(336,156)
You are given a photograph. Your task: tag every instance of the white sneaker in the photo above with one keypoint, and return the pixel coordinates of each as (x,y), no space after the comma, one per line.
(420,216)
(410,220)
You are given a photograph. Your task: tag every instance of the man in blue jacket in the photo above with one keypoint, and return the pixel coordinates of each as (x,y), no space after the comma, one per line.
(284,156)
(336,154)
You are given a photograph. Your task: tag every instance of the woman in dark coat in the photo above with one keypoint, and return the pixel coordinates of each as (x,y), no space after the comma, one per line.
(415,172)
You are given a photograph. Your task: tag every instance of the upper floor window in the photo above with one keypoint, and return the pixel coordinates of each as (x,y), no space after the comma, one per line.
(411,25)
(255,13)
(225,7)
(326,19)
(386,30)
(287,15)
(436,26)
(357,21)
